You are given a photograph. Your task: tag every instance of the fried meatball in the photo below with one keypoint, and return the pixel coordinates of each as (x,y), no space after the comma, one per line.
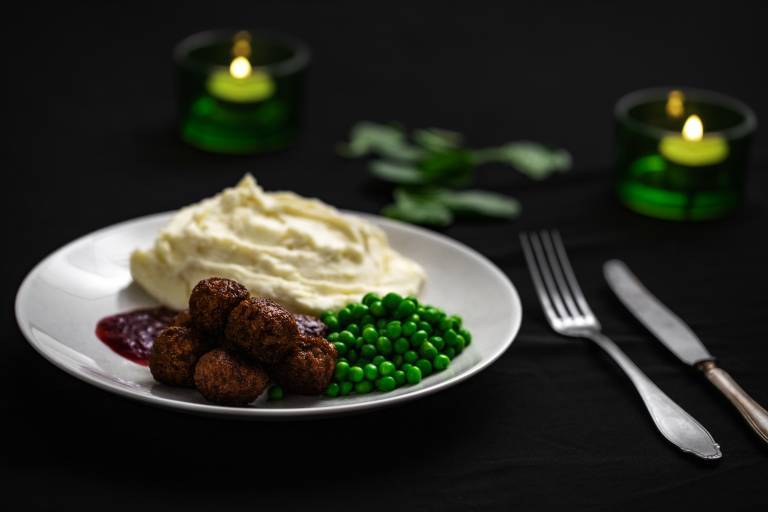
(310,325)
(226,378)
(183,319)
(308,368)
(174,355)
(262,329)
(212,300)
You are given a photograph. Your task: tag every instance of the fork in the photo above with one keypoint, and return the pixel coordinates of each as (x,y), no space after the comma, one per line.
(569,314)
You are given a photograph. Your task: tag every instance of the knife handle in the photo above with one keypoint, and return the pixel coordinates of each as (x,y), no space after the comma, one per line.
(756,416)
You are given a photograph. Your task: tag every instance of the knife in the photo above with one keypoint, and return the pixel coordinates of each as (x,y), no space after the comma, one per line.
(679,338)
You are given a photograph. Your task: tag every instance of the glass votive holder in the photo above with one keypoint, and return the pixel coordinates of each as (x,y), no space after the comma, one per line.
(681,153)
(240,92)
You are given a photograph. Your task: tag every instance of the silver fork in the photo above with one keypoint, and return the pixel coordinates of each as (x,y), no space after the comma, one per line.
(569,314)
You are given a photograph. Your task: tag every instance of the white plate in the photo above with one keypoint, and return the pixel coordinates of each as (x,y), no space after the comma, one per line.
(63,297)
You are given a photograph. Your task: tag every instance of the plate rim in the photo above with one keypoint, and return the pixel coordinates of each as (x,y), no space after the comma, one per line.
(267,413)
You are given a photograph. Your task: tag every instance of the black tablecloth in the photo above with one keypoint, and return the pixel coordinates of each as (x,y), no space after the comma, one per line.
(89,141)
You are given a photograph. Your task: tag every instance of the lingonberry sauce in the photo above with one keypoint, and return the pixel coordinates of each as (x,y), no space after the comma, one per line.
(131,334)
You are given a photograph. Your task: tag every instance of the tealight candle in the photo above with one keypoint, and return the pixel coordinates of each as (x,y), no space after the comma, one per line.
(238,91)
(682,154)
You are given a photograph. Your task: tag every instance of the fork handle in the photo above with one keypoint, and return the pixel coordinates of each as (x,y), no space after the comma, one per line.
(756,416)
(679,427)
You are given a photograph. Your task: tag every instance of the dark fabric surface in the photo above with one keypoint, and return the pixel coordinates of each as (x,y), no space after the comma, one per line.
(553,423)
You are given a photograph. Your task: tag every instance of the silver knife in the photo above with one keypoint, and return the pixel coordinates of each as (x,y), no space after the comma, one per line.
(679,338)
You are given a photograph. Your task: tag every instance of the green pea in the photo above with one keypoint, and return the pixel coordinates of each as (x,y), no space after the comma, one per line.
(342,360)
(401,346)
(370,297)
(367,320)
(354,329)
(371,371)
(399,376)
(359,311)
(384,346)
(364,387)
(441,362)
(398,360)
(344,316)
(370,334)
(414,318)
(386,368)
(418,338)
(405,367)
(346,337)
(405,309)
(413,299)
(342,371)
(457,321)
(411,356)
(445,324)
(467,336)
(334,336)
(325,315)
(421,310)
(391,301)
(431,315)
(394,329)
(332,389)
(413,375)
(341,347)
(460,343)
(377,308)
(438,342)
(368,351)
(386,384)
(409,328)
(381,323)
(378,360)
(450,352)
(345,388)
(352,354)
(428,350)
(359,342)
(424,326)
(356,374)
(425,367)
(332,323)
(450,337)
(275,393)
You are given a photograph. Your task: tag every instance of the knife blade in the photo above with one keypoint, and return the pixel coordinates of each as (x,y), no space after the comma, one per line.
(654,315)
(678,337)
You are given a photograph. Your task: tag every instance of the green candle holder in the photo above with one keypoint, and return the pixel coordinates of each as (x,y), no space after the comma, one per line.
(240,92)
(682,154)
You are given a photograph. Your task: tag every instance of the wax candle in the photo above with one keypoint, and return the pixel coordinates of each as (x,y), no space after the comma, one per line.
(682,154)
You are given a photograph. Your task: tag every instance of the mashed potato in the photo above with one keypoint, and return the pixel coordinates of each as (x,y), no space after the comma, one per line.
(301,252)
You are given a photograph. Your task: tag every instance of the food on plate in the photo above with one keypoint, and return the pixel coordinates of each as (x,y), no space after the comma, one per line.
(212,300)
(262,329)
(300,252)
(174,355)
(182,319)
(308,368)
(229,379)
(311,325)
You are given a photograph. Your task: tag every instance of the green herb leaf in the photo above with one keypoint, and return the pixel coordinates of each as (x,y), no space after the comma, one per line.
(478,202)
(371,138)
(436,139)
(418,209)
(402,174)
(530,158)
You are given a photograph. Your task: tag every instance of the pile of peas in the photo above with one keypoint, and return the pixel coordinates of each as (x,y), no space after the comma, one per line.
(385,343)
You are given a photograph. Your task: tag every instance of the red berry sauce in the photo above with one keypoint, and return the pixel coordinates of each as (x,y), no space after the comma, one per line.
(131,334)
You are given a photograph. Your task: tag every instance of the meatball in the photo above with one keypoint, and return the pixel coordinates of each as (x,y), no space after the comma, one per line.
(226,378)
(212,300)
(174,355)
(308,368)
(183,319)
(261,329)
(310,325)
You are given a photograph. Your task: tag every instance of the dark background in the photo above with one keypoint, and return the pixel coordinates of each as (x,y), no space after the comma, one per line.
(88,108)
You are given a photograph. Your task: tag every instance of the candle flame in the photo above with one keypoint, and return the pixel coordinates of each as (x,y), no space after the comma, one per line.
(240,67)
(693,129)
(675,101)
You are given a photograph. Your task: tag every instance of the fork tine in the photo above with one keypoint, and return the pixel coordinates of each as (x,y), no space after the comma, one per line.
(546,304)
(547,274)
(570,275)
(557,270)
